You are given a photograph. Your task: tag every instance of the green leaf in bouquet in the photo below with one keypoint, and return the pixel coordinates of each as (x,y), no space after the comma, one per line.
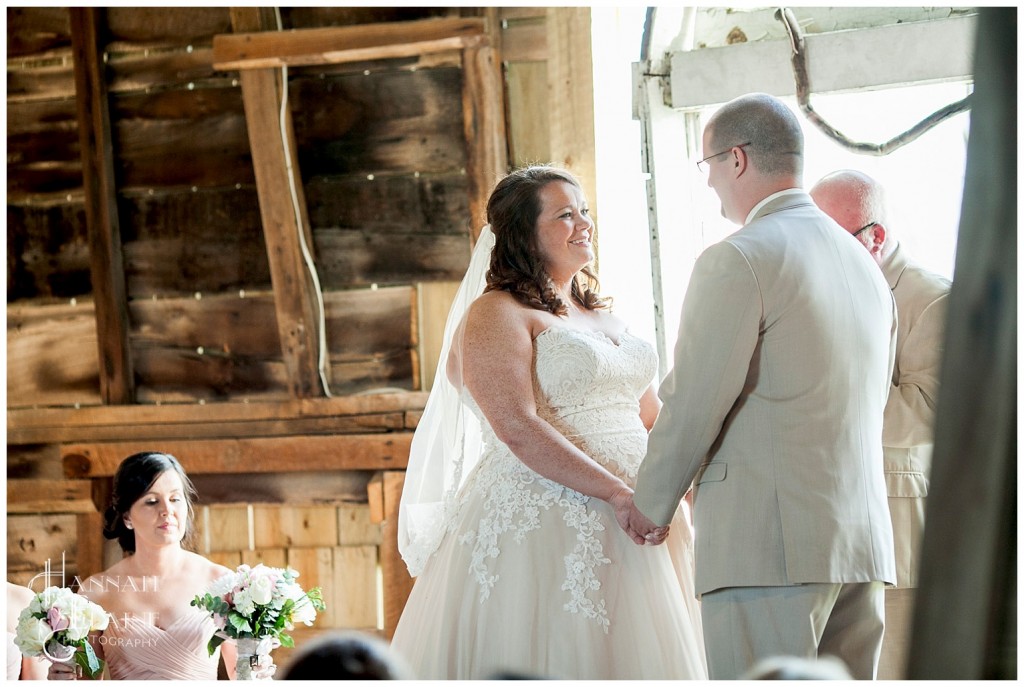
(316,598)
(286,640)
(92,666)
(239,622)
(215,641)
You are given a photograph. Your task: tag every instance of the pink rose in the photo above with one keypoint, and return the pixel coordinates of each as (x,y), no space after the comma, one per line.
(56,620)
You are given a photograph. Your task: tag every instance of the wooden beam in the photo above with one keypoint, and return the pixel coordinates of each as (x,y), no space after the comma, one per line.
(105,423)
(284,227)
(241,456)
(335,45)
(965,615)
(483,106)
(106,262)
(885,56)
(49,496)
(284,214)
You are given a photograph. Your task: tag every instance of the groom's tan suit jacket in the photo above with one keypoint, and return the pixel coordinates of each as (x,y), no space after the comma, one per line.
(774,407)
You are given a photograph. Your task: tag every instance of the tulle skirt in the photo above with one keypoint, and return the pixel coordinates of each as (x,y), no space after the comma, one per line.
(548,614)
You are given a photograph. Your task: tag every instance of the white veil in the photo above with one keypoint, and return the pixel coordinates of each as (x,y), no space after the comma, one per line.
(446,446)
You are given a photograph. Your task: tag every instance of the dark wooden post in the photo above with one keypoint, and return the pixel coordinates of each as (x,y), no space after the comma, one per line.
(117,383)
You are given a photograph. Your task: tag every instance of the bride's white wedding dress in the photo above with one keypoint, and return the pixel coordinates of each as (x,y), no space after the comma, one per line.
(534,578)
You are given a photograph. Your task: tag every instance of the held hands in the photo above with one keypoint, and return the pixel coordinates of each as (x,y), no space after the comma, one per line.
(634,523)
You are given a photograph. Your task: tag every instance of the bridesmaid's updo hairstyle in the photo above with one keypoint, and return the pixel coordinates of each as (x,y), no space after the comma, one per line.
(134,477)
(516,264)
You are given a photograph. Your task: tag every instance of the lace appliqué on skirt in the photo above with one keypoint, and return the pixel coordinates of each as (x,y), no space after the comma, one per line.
(514,498)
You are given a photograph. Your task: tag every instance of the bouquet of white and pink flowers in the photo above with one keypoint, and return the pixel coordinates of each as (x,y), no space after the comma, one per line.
(259,603)
(56,624)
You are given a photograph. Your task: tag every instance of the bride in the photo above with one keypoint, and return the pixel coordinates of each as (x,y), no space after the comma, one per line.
(524,462)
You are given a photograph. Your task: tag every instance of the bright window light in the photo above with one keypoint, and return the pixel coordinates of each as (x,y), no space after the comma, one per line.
(923,180)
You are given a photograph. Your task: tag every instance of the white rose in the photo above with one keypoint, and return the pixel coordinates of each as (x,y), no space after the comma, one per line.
(261,590)
(32,634)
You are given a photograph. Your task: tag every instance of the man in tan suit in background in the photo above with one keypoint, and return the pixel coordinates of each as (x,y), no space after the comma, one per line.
(773,411)
(857,202)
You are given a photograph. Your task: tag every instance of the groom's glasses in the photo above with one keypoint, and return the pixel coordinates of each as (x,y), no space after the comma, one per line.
(702,165)
(865,228)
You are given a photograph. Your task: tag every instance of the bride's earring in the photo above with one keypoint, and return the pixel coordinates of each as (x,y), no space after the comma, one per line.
(128,524)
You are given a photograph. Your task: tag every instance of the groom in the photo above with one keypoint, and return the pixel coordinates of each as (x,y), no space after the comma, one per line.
(774,412)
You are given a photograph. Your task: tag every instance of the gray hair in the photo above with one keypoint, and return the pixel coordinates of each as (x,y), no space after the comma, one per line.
(772,130)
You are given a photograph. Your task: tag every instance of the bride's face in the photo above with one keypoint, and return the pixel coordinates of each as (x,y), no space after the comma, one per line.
(564,230)
(160,516)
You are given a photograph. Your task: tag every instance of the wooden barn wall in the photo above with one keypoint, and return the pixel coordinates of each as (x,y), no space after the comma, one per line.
(382,156)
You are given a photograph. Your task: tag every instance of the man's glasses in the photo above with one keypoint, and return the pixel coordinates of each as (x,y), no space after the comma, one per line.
(702,164)
(865,227)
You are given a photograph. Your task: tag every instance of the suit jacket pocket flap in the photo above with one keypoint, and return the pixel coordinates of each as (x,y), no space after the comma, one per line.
(711,472)
(906,484)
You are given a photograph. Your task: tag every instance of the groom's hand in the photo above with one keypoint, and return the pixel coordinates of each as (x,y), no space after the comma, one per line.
(652,534)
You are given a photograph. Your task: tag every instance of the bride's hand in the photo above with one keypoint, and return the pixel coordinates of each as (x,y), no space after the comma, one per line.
(622,501)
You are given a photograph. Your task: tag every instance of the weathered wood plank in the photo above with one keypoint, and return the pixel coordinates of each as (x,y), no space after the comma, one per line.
(294,526)
(176,243)
(205,430)
(349,258)
(163,25)
(353,587)
(91,544)
(52,418)
(342,44)
(433,301)
(483,112)
(299,488)
(314,565)
(48,496)
(528,116)
(355,526)
(272,558)
(273,454)
(571,118)
(42,149)
(225,527)
(34,461)
(204,129)
(52,355)
(48,251)
(117,384)
(282,207)
(393,122)
(390,203)
(34,539)
(511,13)
(525,40)
(33,30)
(325,15)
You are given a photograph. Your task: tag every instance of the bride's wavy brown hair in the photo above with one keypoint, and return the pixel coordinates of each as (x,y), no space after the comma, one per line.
(516,264)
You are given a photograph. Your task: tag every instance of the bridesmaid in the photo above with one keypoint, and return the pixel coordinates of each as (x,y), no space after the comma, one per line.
(20,667)
(153,633)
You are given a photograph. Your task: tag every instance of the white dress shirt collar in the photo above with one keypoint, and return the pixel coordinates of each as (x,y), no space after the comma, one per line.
(777,194)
